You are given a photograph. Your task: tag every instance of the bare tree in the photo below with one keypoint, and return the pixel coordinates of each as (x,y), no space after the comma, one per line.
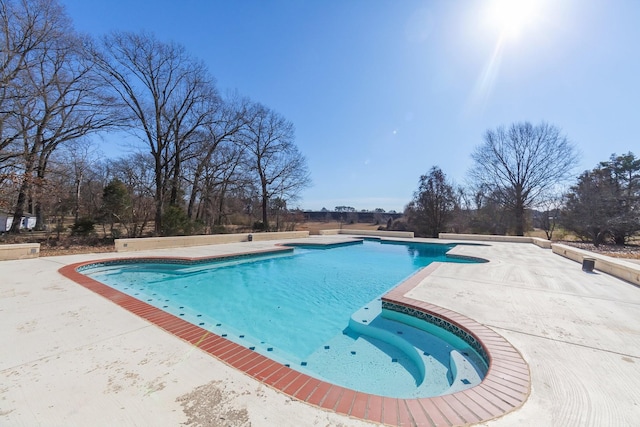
(547,215)
(462,210)
(80,158)
(520,162)
(58,98)
(227,119)
(170,96)
(223,175)
(272,156)
(486,214)
(59,188)
(26,27)
(136,173)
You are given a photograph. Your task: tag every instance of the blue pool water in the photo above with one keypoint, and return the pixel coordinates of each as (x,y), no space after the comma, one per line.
(295,308)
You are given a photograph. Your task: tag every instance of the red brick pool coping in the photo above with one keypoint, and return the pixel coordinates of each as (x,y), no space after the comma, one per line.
(505,388)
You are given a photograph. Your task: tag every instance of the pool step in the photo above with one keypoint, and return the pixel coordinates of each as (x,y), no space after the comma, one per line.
(463,371)
(362,322)
(422,348)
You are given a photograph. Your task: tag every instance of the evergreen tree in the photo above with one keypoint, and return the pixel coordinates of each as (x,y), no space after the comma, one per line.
(432,206)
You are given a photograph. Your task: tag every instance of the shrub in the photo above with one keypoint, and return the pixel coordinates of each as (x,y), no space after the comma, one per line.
(399,225)
(258,226)
(219,229)
(174,221)
(83,227)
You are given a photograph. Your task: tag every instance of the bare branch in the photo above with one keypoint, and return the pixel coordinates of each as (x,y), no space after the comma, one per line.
(521,163)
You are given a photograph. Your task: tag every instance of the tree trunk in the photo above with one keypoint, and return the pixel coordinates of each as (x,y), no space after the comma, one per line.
(519,217)
(265,201)
(221,196)
(38,211)
(619,239)
(265,220)
(175,180)
(596,239)
(18,212)
(76,207)
(519,226)
(159,198)
(194,192)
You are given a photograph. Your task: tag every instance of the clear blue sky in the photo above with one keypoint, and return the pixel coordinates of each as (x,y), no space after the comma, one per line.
(381,90)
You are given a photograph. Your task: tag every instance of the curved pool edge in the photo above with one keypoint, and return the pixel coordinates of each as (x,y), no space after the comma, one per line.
(504,389)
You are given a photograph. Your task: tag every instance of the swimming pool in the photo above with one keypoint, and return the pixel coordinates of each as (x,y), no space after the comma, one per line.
(316,310)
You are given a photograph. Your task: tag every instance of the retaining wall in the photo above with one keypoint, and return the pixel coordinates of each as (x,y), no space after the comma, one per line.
(147,243)
(19,251)
(616,267)
(374,233)
(543,243)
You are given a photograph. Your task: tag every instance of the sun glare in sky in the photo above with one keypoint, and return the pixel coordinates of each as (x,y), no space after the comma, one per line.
(512,17)
(511,22)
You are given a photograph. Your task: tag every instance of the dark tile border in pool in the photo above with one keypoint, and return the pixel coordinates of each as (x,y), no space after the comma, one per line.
(504,389)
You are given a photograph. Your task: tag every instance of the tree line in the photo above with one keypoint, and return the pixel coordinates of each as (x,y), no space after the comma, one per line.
(201,156)
(519,181)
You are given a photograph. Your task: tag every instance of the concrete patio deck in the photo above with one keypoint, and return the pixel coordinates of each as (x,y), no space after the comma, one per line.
(70,357)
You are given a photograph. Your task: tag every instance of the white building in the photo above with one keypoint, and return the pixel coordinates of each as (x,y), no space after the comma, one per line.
(28,222)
